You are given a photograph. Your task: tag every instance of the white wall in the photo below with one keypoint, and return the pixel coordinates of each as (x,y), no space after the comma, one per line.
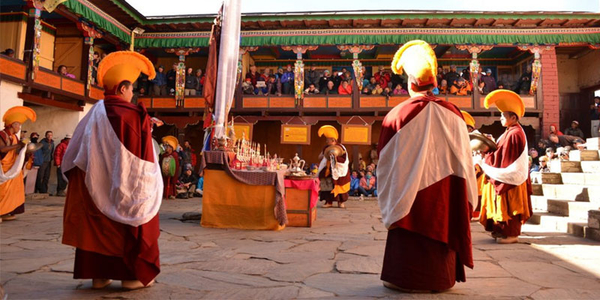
(8,98)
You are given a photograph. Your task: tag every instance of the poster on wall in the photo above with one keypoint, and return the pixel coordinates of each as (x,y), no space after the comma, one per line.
(295,134)
(243,129)
(356,134)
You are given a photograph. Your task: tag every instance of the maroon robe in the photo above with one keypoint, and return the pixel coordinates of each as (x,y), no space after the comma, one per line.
(107,249)
(343,181)
(429,247)
(170,182)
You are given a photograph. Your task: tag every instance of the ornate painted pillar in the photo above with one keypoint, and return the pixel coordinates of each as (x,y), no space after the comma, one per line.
(299,69)
(536,66)
(90,33)
(36,13)
(474,65)
(243,51)
(356,65)
(180,75)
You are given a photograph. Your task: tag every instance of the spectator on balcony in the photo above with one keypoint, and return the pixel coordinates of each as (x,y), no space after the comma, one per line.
(460,87)
(481,87)
(143,85)
(273,86)
(440,74)
(386,92)
(574,130)
(365,91)
(500,85)
(329,89)
(524,83)
(311,90)
(466,74)
(372,84)
(377,90)
(287,80)
(399,90)
(490,81)
(171,78)
(199,82)
(324,81)
(345,88)
(452,75)
(159,83)
(382,77)
(247,87)
(261,86)
(312,76)
(266,74)
(62,70)
(191,82)
(253,75)
(9,52)
(95,63)
(443,88)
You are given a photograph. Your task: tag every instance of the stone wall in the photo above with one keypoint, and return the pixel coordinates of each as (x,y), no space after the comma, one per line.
(589,69)
(567,74)
(8,97)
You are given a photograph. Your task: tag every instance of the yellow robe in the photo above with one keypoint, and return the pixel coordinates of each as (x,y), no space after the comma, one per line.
(505,206)
(12,192)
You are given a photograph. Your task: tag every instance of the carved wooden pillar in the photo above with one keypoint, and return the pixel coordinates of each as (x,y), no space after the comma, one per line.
(90,33)
(33,37)
(474,65)
(356,65)
(299,69)
(536,66)
(180,75)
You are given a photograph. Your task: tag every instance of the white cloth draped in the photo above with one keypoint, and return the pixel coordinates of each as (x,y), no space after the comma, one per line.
(337,169)
(432,146)
(124,187)
(15,169)
(515,174)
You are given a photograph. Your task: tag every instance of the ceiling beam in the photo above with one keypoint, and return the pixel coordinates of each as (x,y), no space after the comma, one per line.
(48,102)
(478,22)
(261,24)
(495,23)
(283,23)
(196,25)
(591,22)
(172,26)
(580,53)
(306,23)
(330,23)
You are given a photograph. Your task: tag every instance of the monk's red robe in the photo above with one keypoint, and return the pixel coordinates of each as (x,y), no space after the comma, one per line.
(428,248)
(341,186)
(505,207)
(107,249)
(170,182)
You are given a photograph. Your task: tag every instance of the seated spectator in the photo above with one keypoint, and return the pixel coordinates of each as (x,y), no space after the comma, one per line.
(452,75)
(532,167)
(9,52)
(324,80)
(200,186)
(490,81)
(466,74)
(354,184)
(366,91)
(595,117)
(533,153)
(481,87)
(191,82)
(554,130)
(260,86)
(187,184)
(311,90)
(574,130)
(543,165)
(382,77)
(377,90)
(62,70)
(500,85)
(159,83)
(372,84)
(247,88)
(399,90)
(460,88)
(312,76)
(386,92)
(253,75)
(362,165)
(345,88)
(551,154)
(287,80)
(443,87)
(273,87)
(329,89)
(367,185)
(541,146)
(566,140)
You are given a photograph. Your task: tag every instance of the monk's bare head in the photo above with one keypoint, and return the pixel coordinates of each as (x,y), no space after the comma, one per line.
(509,118)
(125,90)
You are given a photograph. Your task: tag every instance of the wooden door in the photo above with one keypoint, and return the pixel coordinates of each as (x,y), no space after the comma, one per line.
(68,51)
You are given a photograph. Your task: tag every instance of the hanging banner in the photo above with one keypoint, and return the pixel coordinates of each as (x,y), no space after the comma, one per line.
(356,134)
(51,5)
(295,134)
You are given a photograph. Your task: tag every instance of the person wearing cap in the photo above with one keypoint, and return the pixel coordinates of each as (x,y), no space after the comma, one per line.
(425,172)
(574,130)
(12,160)
(324,82)
(505,200)
(333,170)
(170,156)
(115,185)
(187,183)
(61,184)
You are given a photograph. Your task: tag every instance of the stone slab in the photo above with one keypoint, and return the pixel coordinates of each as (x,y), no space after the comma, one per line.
(561,277)
(583,155)
(593,143)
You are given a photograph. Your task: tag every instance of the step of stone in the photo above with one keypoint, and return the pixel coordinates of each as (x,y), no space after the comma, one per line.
(539,203)
(561,166)
(552,223)
(580,178)
(537,189)
(553,178)
(572,192)
(592,233)
(593,143)
(584,155)
(577,210)
(590,166)
(594,218)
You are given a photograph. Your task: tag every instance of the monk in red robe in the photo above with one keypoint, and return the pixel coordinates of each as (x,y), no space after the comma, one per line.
(115,188)
(170,180)
(506,190)
(426,182)
(333,170)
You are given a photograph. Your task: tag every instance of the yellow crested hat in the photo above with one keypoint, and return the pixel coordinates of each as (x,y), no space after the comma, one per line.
(18,114)
(418,60)
(468,118)
(505,100)
(171,140)
(328,131)
(123,65)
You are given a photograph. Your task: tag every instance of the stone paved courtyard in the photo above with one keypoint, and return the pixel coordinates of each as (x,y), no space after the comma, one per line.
(339,257)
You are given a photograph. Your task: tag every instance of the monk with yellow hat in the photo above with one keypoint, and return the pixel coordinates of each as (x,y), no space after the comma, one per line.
(425,181)
(115,184)
(506,196)
(333,169)
(12,155)
(169,161)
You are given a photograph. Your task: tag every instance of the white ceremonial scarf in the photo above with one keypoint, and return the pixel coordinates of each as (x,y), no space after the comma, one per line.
(515,174)
(124,187)
(420,154)
(15,169)
(340,169)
